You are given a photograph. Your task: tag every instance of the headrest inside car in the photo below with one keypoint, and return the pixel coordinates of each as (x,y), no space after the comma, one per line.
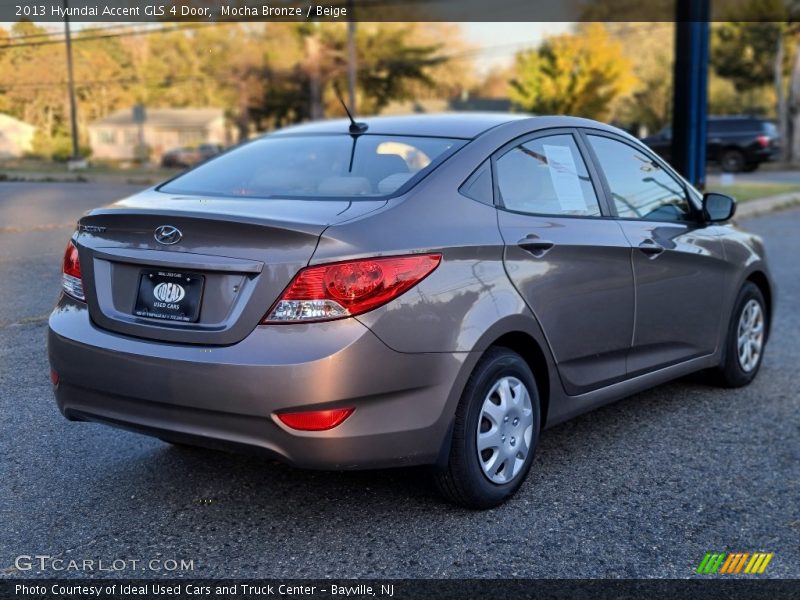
(393,182)
(345,186)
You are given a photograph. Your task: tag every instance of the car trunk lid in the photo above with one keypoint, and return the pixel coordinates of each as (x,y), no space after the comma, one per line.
(224,262)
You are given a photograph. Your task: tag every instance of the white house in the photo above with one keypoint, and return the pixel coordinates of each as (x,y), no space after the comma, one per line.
(16,137)
(116,136)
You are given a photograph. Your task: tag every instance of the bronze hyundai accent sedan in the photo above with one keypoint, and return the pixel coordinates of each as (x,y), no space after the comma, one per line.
(426,290)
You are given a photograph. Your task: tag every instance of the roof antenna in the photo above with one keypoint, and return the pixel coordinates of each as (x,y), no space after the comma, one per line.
(355,128)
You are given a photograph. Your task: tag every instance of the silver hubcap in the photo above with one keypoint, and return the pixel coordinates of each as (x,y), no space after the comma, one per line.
(505,429)
(750,335)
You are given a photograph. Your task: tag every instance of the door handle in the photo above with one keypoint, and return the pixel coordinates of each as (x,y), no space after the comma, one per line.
(650,248)
(534,245)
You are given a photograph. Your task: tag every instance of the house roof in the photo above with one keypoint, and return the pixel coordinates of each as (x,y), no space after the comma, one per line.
(172,118)
(7,122)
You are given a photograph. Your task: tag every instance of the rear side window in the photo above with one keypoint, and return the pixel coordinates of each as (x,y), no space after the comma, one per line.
(733,126)
(769,128)
(316,166)
(479,185)
(546,176)
(640,188)
(715,126)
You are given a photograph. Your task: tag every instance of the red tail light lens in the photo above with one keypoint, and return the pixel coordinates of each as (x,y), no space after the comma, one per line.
(763,140)
(349,288)
(315,420)
(71,273)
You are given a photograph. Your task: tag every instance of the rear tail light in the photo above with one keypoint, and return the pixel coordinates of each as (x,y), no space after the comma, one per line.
(315,420)
(71,273)
(763,140)
(346,289)
(53,377)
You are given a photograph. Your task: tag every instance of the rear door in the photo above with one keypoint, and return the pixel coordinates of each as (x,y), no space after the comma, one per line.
(678,261)
(570,263)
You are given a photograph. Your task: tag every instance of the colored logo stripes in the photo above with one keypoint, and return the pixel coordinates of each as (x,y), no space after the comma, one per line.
(734,563)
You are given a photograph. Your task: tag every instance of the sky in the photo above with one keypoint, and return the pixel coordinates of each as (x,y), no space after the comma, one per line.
(500,41)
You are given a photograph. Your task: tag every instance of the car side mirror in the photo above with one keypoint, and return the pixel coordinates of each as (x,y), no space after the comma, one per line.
(718,207)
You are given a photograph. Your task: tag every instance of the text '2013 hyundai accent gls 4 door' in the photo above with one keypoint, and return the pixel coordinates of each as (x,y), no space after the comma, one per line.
(427,290)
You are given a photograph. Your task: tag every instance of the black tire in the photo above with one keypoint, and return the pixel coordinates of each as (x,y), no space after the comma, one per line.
(463,481)
(732,161)
(750,167)
(730,372)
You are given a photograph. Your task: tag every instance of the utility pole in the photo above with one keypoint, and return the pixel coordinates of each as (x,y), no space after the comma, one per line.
(351,57)
(314,71)
(73,115)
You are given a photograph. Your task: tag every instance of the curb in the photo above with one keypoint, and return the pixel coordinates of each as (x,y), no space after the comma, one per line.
(762,206)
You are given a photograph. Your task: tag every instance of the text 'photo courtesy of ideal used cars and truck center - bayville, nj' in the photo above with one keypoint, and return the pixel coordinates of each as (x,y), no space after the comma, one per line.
(399,299)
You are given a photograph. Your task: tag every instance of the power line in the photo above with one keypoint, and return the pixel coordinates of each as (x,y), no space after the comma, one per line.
(87,38)
(56,33)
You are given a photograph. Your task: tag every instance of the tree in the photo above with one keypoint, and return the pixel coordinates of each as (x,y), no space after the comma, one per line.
(744,52)
(392,63)
(649,48)
(577,74)
(758,47)
(264,75)
(32,85)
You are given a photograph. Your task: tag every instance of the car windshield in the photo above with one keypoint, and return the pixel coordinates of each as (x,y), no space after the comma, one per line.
(316,166)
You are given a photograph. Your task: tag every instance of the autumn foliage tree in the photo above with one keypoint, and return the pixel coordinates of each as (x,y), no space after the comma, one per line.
(579,73)
(263,75)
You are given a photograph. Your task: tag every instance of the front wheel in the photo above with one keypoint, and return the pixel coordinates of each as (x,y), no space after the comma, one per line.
(746,339)
(495,433)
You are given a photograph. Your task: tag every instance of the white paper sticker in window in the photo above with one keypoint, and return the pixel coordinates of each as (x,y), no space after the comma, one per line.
(564,176)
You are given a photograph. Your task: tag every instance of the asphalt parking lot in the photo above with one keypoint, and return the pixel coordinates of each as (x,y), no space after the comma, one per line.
(642,488)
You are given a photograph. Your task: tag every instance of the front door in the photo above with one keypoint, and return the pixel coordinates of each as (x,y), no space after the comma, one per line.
(678,262)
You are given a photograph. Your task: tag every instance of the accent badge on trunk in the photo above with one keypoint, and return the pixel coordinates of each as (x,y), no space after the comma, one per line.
(168,235)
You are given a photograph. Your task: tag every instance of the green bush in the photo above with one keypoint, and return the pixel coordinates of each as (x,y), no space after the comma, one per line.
(57,147)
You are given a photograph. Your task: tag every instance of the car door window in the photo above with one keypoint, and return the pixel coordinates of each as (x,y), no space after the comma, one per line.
(641,189)
(548,176)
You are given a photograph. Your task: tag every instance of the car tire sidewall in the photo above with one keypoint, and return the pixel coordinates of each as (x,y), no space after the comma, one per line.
(504,363)
(736,160)
(732,372)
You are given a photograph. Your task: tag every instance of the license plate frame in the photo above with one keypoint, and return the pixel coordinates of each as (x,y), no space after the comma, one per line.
(167,295)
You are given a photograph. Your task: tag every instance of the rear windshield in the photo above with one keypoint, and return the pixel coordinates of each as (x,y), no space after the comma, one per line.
(316,166)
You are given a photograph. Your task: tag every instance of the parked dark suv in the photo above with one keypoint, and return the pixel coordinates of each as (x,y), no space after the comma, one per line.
(736,143)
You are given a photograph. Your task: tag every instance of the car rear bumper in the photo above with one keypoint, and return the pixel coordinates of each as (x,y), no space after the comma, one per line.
(760,155)
(228,396)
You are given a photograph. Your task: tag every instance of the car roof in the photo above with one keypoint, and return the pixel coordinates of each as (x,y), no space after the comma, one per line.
(465,125)
(735,118)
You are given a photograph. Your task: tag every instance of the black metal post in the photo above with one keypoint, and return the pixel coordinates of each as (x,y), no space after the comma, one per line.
(689,109)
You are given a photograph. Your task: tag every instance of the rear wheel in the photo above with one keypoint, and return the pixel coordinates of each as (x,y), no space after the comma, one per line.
(747,336)
(732,161)
(495,433)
